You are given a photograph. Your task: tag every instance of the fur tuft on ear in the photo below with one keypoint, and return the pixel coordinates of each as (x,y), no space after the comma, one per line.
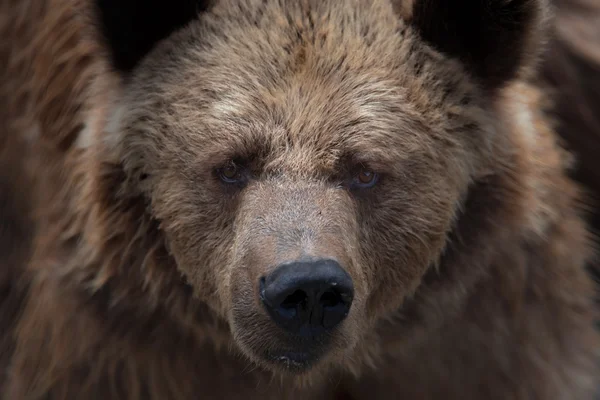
(131,28)
(495,39)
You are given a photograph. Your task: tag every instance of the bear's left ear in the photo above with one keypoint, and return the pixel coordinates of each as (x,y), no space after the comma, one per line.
(494,39)
(129,29)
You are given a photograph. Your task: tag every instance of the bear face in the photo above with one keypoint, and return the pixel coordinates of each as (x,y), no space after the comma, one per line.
(306,176)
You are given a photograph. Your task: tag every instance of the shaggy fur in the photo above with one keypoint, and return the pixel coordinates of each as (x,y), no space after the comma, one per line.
(45,71)
(132,270)
(571,76)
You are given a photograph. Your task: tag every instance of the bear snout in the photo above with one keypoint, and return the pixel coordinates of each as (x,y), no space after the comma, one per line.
(296,283)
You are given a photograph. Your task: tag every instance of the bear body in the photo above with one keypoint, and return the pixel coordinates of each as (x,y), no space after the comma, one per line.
(398,149)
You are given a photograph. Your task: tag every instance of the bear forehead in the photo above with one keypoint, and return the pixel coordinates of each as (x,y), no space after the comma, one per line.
(320,73)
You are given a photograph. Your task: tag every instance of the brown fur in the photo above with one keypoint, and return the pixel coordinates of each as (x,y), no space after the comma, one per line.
(43,69)
(571,76)
(467,258)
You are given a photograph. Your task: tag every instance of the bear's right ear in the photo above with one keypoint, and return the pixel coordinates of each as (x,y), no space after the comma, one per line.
(131,28)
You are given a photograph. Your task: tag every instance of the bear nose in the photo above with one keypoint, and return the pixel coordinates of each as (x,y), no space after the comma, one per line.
(307,298)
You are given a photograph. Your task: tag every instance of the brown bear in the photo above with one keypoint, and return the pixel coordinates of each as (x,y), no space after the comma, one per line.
(299,199)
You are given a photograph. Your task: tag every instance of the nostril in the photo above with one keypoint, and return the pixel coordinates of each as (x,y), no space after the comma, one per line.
(330,299)
(335,307)
(297,299)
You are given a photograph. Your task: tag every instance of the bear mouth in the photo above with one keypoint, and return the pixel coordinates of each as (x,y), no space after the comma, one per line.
(293,361)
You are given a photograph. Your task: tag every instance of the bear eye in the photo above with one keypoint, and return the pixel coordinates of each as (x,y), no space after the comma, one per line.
(230,173)
(365,179)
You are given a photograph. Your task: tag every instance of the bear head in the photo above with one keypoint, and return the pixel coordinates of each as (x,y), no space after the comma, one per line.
(307,161)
